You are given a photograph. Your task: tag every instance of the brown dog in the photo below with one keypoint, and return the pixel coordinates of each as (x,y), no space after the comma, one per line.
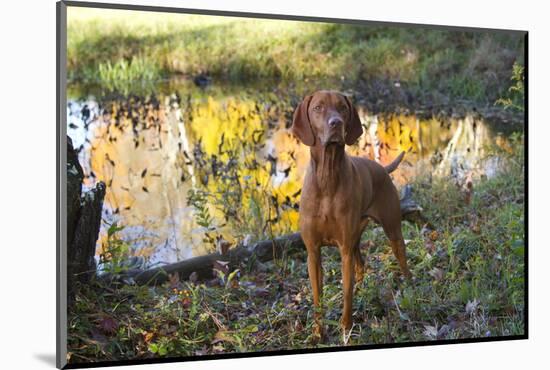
(340,193)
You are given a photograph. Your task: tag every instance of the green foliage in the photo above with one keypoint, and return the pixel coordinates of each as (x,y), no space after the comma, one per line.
(115,253)
(198,199)
(516,95)
(120,75)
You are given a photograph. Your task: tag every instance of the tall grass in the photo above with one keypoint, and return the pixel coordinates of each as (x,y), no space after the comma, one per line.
(123,73)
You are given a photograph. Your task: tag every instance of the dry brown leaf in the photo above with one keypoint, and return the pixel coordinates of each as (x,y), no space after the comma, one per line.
(174,280)
(108,325)
(148,336)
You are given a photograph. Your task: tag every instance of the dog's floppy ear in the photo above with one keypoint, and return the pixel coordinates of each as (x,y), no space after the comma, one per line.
(354,129)
(301,127)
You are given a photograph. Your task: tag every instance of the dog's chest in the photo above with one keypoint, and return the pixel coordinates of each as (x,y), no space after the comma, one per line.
(327,210)
(324,217)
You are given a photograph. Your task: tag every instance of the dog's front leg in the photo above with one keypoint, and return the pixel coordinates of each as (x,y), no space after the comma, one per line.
(315,271)
(346,253)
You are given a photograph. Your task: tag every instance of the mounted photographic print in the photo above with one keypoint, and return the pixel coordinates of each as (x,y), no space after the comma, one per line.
(236,184)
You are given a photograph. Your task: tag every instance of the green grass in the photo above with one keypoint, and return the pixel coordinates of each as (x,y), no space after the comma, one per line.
(468,283)
(117,47)
(123,73)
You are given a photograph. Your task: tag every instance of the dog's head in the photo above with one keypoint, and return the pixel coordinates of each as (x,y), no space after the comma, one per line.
(327,117)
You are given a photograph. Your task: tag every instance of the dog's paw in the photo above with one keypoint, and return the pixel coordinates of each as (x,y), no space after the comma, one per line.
(318,333)
(408,277)
(345,324)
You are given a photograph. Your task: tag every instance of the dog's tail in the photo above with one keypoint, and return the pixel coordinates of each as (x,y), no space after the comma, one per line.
(392,166)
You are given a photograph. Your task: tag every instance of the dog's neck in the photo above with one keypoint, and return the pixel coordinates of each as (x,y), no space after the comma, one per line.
(328,162)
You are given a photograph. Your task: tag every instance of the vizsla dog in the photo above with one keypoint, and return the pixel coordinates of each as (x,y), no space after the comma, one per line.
(340,194)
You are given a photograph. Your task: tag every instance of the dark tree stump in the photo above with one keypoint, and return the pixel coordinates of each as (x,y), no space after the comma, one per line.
(75,175)
(83,222)
(82,250)
(410,210)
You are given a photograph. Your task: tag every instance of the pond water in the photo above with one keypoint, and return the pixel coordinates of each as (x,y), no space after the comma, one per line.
(191,169)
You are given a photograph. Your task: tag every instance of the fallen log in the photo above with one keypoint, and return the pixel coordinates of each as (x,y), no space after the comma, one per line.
(261,251)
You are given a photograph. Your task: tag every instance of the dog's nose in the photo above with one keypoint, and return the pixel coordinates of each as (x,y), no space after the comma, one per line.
(335,121)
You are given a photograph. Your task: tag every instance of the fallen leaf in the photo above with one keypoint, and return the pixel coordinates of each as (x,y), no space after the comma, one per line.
(443,331)
(430,332)
(430,246)
(222,245)
(193,277)
(186,302)
(167,330)
(437,274)
(366,245)
(201,352)
(174,280)
(222,266)
(147,336)
(98,338)
(471,306)
(247,240)
(218,348)
(261,292)
(476,228)
(108,325)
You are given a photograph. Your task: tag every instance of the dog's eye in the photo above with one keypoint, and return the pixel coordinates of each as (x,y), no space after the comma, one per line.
(343,108)
(317,108)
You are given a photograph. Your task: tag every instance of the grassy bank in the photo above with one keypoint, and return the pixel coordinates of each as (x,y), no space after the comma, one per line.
(117,48)
(468,282)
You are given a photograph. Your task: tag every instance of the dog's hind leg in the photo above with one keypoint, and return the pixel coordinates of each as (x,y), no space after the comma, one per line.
(359,264)
(389,215)
(392,229)
(398,248)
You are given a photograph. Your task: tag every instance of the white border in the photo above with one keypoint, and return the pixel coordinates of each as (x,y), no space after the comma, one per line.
(28,183)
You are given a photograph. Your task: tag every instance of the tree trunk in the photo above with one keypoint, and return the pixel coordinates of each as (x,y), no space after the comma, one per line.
(75,175)
(83,222)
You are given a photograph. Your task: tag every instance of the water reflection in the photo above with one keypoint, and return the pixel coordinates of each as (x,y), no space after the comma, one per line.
(154,153)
